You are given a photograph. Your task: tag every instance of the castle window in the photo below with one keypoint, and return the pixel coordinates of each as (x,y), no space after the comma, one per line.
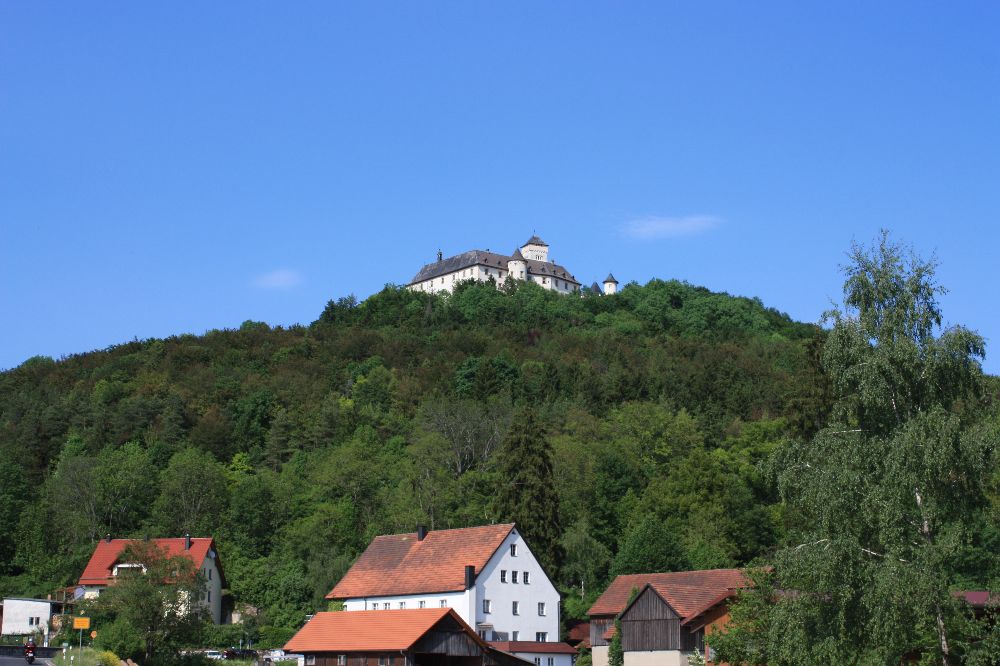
(503,575)
(525,577)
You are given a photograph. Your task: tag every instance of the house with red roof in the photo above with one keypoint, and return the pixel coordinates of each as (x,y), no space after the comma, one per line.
(671,616)
(407,637)
(109,560)
(487,575)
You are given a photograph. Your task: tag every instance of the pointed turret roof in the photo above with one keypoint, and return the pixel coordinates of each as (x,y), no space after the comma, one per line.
(517,256)
(535,240)
(611,278)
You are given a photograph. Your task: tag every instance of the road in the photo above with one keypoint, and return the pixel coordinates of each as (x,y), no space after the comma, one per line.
(19,661)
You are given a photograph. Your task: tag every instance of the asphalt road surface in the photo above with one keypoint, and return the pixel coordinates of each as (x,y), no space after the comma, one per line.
(19,661)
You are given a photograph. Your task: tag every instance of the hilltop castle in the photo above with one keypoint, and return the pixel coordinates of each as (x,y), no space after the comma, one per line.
(530,263)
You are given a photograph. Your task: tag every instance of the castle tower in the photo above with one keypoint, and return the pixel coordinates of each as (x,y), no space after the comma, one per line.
(610,285)
(517,267)
(535,249)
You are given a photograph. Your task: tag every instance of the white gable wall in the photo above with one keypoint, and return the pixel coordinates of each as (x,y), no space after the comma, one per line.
(503,595)
(25,616)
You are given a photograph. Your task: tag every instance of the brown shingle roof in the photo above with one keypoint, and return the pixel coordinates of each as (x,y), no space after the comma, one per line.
(400,564)
(370,631)
(694,588)
(533,646)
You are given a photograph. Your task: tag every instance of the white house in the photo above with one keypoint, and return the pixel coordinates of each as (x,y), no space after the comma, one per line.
(487,574)
(529,263)
(107,562)
(24,617)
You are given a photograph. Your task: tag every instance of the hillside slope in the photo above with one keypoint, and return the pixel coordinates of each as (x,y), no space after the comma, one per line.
(294,446)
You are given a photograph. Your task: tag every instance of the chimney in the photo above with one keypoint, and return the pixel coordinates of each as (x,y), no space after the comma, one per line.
(470,576)
(439,255)
(187,541)
(421,532)
(107,537)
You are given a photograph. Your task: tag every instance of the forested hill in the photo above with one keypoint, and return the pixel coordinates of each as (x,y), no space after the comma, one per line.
(294,446)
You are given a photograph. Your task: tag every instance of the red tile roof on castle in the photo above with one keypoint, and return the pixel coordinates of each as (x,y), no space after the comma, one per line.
(99,569)
(370,631)
(533,646)
(688,592)
(400,564)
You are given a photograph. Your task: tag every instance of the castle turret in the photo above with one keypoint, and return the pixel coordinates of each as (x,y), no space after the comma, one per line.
(536,249)
(610,285)
(517,266)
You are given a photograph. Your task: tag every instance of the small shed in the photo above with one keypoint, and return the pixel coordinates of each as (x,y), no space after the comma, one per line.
(406,637)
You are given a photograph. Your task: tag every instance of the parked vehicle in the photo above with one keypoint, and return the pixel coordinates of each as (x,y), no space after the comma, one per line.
(215,655)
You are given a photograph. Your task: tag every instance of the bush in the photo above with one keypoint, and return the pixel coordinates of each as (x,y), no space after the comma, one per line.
(108,658)
(274,637)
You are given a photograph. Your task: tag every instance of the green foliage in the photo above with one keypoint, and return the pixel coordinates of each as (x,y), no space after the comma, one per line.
(295,446)
(652,545)
(883,502)
(526,493)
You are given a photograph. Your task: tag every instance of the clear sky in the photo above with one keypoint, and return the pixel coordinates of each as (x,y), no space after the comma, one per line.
(177,167)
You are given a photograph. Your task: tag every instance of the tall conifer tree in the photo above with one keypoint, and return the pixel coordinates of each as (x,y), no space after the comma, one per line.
(527,493)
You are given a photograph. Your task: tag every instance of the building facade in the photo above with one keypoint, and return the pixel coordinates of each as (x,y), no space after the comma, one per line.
(26,617)
(529,263)
(108,562)
(487,575)
(673,615)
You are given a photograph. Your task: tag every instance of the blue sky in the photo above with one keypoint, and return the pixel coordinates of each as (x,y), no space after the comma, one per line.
(177,167)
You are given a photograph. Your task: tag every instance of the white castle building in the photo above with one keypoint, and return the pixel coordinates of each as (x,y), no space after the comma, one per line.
(530,263)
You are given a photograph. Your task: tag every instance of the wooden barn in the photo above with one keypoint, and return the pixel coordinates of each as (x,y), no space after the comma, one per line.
(414,637)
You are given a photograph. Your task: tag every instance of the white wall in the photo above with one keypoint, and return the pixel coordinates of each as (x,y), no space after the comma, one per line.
(599,655)
(657,658)
(213,588)
(18,615)
(457,600)
(542,659)
(502,595)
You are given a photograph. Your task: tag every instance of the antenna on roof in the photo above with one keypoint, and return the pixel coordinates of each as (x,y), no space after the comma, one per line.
(439,255)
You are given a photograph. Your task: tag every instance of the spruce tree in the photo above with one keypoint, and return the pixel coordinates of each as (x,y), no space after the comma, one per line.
(527,494)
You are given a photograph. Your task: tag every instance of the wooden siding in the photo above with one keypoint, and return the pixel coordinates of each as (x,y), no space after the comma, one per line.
(651,624)
(599,625)
(451,643)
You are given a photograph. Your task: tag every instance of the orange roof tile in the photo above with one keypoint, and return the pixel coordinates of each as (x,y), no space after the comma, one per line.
(693,588)
(400,564)
(106,553)
(533,646)
(370,631)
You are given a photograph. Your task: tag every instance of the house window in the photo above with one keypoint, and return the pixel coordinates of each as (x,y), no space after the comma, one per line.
(513,576)
(341,660)
(310,660)
(513,550)
(385,661)
(515,608)
(422,604)
(550,661)
(541,608)
(402,605)
(210,574)
(525,577)
(503,575)
(209,599)
(444,603)
(541,636)
(538,661)
(513,635)
(487,606)
(385,606)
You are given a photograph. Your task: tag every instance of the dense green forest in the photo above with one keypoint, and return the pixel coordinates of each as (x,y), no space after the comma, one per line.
(652,412)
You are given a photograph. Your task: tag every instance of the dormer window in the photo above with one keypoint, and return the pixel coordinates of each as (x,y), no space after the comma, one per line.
(127,566)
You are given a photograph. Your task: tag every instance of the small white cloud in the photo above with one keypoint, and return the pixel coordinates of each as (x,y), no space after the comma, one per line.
(283,278)
(646,228)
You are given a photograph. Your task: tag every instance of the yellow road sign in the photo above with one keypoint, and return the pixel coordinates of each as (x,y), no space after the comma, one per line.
(81,623)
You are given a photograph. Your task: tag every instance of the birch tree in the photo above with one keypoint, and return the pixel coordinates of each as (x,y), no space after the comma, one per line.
(882,498)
